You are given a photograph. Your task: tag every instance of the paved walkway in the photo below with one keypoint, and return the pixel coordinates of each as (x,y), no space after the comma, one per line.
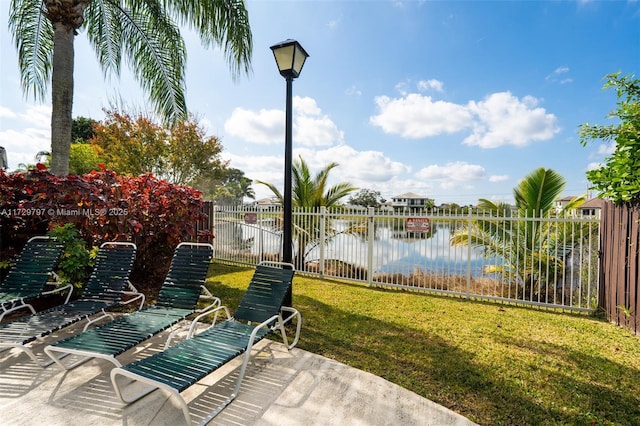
(280,388)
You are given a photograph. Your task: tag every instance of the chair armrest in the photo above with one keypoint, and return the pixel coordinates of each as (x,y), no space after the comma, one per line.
(214,311)
(60,290)
(263,324)
(298,316)
(208,296)
(136,295)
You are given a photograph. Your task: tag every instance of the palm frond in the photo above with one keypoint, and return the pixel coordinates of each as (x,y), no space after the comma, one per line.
(33,36)
(102,21)
(222,23)
(338,192)
(273,189)
(156,54)
(537,191)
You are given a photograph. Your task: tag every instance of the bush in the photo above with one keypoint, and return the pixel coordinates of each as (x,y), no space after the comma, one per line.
(153,214)
(76,261)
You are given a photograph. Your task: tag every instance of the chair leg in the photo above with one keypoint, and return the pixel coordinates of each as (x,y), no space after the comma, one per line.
(31,355)
(118,387)
(86,356)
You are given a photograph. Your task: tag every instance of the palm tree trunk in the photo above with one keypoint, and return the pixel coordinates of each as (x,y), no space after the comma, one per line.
(62,98)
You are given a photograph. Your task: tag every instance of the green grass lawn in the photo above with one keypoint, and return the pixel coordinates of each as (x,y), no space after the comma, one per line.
(495,364)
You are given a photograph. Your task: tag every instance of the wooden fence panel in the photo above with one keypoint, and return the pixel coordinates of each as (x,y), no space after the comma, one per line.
(619,265)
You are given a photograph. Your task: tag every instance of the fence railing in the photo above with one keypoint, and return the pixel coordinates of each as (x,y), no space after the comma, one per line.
(547,261)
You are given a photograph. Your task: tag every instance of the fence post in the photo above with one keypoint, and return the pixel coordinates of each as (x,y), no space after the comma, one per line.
(260,236)
(371,234)
(469,253)
(323,238)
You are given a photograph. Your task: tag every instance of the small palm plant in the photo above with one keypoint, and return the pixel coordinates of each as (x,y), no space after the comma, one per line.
(530,249)
(311,192)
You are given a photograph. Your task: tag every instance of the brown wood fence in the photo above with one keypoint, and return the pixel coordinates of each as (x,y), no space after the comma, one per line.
(620,265)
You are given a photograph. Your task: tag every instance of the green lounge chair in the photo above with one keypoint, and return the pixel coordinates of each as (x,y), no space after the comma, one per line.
(30,274)
(180,366)
(177,300)
(106,286)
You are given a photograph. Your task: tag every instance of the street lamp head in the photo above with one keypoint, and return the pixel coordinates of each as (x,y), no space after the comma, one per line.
(290,57)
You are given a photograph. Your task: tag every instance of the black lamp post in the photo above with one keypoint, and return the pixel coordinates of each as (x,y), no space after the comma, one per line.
(290,58)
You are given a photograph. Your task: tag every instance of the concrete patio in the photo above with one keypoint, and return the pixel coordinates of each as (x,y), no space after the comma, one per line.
(280,388)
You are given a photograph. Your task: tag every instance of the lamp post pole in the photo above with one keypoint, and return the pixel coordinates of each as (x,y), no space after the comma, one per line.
(288,160)
(290,57)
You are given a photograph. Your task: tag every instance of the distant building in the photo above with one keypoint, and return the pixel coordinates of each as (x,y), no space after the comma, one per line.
(592,207)
(561,203)
(269,203)
(409,202)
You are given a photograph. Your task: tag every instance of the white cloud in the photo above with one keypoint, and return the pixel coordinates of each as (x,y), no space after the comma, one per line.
(264,126)
(353,91)
(27,133)
(358,167)
(6,112)
(458,171)
(312,131)
(306,106)
(594,166)
(366,169)
(310,126)
(556,76)
(452,175)
(415,116)
(500,119)
(503,119)
(607,149)
(498,178)
(424,85)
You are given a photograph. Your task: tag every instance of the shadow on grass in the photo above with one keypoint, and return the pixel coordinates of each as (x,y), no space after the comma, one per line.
(451,377)
(463,380)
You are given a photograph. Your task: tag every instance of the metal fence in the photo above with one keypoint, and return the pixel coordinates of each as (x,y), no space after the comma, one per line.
(547,261)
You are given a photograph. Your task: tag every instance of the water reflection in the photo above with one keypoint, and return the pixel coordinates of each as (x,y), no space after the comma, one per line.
(392,250)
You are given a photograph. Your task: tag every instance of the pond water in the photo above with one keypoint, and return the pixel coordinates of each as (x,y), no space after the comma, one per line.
(392,251)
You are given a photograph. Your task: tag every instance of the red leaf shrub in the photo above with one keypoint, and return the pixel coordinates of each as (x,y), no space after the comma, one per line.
(154,214)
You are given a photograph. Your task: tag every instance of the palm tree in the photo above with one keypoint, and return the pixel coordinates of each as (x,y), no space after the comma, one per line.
(245,189)
(528,252)
(311,192)
(146,33)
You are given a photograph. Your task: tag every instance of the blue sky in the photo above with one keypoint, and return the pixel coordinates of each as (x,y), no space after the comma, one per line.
(454,100)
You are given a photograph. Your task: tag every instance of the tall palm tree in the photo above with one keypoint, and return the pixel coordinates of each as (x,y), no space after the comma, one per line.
(146,33)
(530,252)
(311,192)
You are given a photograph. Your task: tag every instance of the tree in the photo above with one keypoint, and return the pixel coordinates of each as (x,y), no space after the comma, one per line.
(228,187)
(180,153)
(367,198)
(84,157)
(308,191)
(311,192)
(529,252)
(82,129)
(146,34)
(619,177)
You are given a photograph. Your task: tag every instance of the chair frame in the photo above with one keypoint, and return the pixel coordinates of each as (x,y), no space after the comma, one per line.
(20,303)
(90,319)
(86,355)
(279,325)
